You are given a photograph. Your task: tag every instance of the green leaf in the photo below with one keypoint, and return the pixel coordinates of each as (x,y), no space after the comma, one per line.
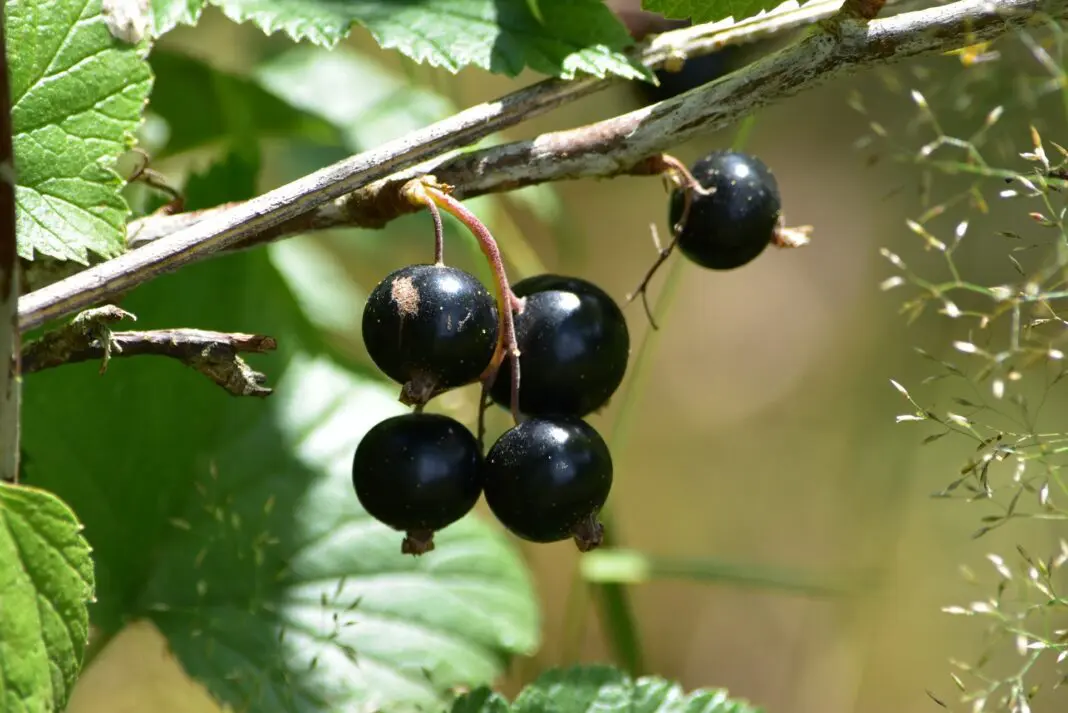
(569,37)
(704,11)
(77,95)
(386,106)
(46,581)
(229,108)
(577,36)
(233,178)
(167,14)
(584,689)
(319,284)
(231,522)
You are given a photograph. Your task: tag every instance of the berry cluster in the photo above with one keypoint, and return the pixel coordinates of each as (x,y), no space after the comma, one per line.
(550,348)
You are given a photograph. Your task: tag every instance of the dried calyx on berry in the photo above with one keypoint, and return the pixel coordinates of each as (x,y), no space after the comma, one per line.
(430,328)
(573,347)
(418,473)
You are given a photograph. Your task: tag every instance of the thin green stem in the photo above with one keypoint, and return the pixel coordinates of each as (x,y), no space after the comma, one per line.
(631,567)
(617,613)
(676,172)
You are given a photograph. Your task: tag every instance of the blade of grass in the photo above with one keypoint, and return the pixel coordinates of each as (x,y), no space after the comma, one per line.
(623,566)
(617,613)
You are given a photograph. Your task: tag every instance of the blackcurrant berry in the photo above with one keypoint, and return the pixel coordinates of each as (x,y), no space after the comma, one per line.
(418,473)
(573,348)
(696,72)
(431,328)
(734,224)
(547,479)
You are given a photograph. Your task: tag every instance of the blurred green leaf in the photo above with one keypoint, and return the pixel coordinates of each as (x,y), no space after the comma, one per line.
(562,38)
(232,178)
(231,522)
(329,297)
(76,100)
(46,582)
(384,107)
(710,11)
(584,689)
(167,14)
(229,108)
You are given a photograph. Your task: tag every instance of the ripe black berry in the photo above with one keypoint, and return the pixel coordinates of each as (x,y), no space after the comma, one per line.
(418,473)
(573,348)
(547,479)
(431,328)
(734,224)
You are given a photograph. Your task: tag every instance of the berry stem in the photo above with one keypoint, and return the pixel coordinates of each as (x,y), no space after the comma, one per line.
(676,172)
(643,286)
(415,192)
(439,233)
(506,299)
(484,402)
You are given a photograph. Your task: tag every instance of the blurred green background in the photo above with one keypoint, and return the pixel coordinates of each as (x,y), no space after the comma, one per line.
(763,433)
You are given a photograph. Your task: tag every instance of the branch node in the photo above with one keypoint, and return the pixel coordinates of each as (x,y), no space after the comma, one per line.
(93,325)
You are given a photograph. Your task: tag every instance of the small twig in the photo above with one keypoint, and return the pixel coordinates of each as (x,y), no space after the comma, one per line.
(484,402)
(214,354)
(663,253)
(157,180)
(680,178)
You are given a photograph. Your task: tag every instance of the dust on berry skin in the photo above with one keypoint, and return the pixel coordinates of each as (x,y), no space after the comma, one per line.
(406,296)
(430,328)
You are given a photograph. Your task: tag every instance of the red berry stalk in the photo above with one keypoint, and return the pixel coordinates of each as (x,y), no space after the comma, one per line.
(426,191)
